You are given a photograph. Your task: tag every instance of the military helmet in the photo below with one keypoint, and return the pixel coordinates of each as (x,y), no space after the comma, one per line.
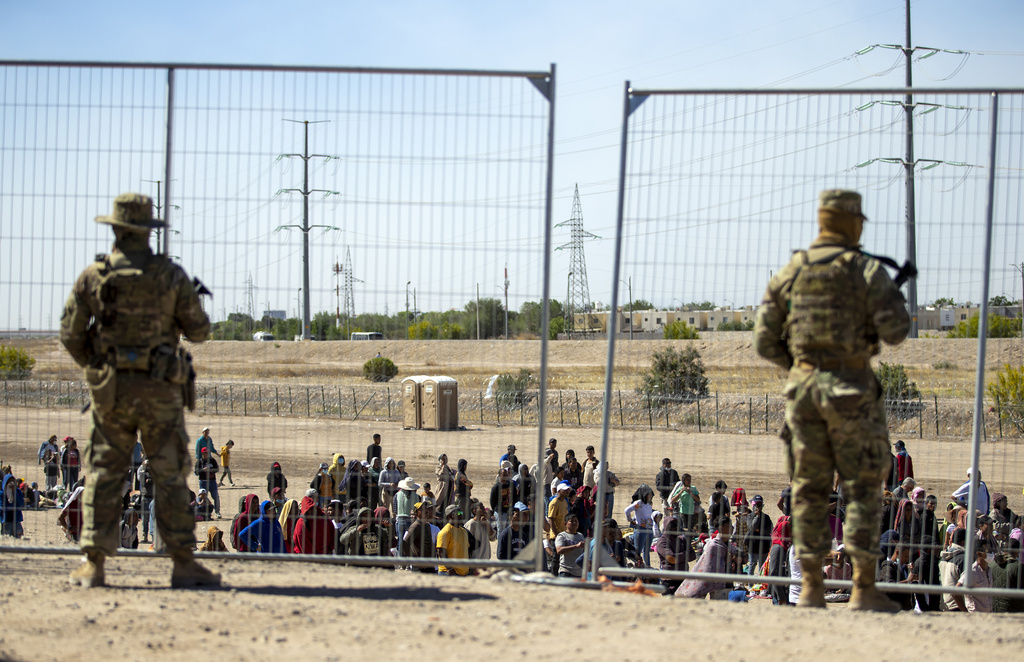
(842,200)
(133,211)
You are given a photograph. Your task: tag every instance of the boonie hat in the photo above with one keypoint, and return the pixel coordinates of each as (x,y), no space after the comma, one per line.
(842,200)
(133,211)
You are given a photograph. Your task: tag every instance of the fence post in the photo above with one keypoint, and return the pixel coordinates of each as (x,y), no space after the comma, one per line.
(561,410)
(999,417)
(245,403)
(231,399)
(339,402)
(291,405)
(936,415)
(750,415)
(277,402)
(389,402)
(307,402)
(481,394)
(5,393)
(920,417)
(579,419)
(216,406)
(766,413)
(698,415)
(323,399)
(259,389)
(521,401)
(354,405)
(716,410)
(497,410)
(650,414)
(621,423)
(666,415)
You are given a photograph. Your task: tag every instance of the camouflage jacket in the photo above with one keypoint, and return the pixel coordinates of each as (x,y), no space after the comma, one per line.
(885,317)
(182,314)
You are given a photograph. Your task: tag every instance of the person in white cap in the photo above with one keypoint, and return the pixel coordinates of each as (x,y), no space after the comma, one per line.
(405,499)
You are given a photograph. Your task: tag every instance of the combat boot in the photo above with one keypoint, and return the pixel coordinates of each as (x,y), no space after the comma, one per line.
(812,587)
(188,573)
(90,573)
(865,596)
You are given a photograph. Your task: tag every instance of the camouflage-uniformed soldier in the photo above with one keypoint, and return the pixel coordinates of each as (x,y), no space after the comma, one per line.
(822,319)
(122,323)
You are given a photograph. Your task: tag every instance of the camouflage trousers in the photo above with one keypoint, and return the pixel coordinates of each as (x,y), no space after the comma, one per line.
(838,424)
(152,410)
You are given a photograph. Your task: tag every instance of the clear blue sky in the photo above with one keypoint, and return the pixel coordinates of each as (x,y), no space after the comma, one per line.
(596,45)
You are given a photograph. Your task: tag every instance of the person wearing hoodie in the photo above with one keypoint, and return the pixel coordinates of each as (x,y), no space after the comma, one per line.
(214,541)
(13,503)
(353,485)
(323,485)
(248,512)
(388,482)
(287,519)
(337,472)
(503,497)
(674,550)
(951,568)
(264,535)
(445,487)
(276,479)
(365,538)
(314,533)
(130,529)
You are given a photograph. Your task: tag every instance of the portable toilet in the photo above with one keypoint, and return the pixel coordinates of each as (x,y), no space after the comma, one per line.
(439,403)
(411,408)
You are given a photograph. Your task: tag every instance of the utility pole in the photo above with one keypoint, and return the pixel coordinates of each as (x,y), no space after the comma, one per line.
(337,270)
(407,284)
(908,113)
(1021,270)
(506,301)
(306,227)
(478,311)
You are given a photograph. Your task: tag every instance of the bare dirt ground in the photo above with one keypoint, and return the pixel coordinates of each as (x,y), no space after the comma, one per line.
(329,613)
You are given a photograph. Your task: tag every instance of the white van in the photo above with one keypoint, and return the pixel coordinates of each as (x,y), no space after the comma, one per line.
(263,336)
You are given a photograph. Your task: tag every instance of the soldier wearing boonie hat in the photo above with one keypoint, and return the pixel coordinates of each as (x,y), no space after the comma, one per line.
(822,318)
(122,324)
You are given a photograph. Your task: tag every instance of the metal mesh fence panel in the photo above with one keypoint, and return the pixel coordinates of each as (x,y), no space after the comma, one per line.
(408,208)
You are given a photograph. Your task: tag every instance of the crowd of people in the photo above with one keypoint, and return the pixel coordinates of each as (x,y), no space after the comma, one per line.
(373,507)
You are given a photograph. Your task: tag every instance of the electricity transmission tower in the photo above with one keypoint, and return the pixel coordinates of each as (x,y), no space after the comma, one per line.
(577,298)
(306,227)
(344,270)
(250,295)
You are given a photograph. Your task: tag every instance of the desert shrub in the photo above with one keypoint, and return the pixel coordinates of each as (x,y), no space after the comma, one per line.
(675,376)
(379,369)
(15,363)
(680,330)
(895,383)
(944,365)
(1008,392)
(730,325)
(998,327)
(510,389)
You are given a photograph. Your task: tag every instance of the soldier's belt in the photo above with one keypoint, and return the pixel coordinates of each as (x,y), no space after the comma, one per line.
(853,363)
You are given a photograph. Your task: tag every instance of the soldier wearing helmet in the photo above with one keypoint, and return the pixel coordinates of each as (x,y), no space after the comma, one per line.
(822,318)
(122,324)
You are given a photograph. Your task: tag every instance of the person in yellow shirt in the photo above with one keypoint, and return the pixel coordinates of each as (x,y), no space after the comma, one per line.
(558,508)
(225,463)
(453,542)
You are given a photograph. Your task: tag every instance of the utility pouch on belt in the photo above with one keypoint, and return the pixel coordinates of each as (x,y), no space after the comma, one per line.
(188,385)
(103,385)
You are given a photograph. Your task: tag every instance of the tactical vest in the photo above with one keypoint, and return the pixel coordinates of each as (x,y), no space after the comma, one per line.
(136,311)
(828,308)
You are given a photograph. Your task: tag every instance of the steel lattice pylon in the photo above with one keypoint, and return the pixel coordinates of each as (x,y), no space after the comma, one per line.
(347,280)
(577,297)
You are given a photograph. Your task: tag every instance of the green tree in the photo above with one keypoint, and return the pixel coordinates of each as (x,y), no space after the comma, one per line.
(675,376)
(1008,392)
(492,318)
(944,302)
(1000,300)
(15,363)
(640,304)
(557,326)
(700,305)
(510,389)
(895,383)
(529,319)
(379,369)
(680,330)
(998,327)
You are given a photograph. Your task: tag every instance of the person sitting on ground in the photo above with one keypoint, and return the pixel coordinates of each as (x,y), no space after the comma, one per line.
(569,545)
(130,529)
(202,506)
(718,557)
(838,569)
(980,576)
(896,570)
(214,541)
(264,535)
(453,542)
